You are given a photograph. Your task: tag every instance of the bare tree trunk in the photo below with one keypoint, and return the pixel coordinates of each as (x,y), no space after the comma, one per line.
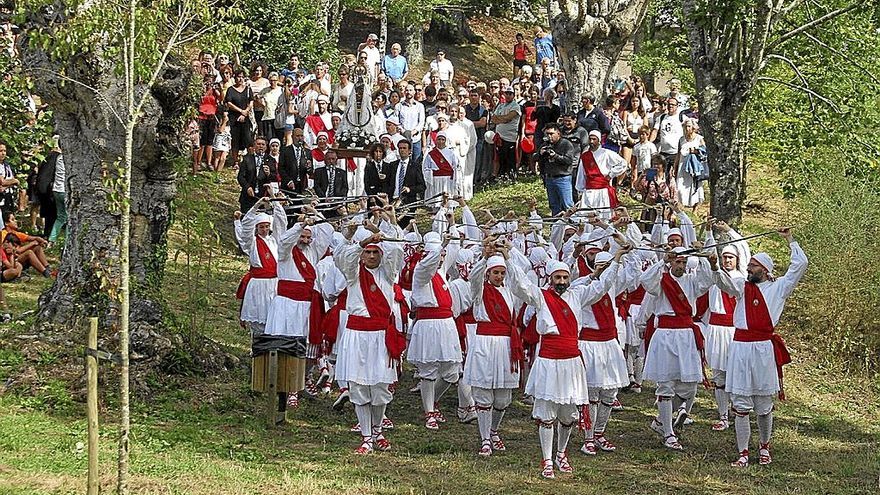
(719,123)
(383,26)
(590,35)
(415,37)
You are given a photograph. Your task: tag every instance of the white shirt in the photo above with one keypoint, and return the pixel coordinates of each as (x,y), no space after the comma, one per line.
(60,176)
(643,153)
(670,131)
(444,69)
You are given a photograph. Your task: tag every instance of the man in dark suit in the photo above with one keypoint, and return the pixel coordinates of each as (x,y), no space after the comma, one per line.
(331,181)
(296,164)
(255,172)
(405,177)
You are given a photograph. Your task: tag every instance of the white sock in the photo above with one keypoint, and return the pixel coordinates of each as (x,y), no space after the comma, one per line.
(440,388)
(465,399)
(545,435)
(484,421)
(377,414)
(602,417)
(765,427)
(722,398)
(562,436)
(497,416)
(664,415)
(594,411)
(427,390)
(364,416)
(743,432)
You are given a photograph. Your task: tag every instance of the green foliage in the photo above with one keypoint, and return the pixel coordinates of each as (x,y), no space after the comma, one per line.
(827,162)
(26,135)
(276,29)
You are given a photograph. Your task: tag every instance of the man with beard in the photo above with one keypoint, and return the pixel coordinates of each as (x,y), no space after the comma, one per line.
(557,379)
(757,354)
(596,169)
(674,343)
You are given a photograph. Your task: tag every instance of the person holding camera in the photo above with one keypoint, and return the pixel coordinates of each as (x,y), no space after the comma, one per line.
(557,157)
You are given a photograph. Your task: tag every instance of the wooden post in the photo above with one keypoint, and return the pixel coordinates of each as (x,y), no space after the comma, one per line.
(92,403)
(272,388)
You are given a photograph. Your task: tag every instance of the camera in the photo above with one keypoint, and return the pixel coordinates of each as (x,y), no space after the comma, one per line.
(547,151)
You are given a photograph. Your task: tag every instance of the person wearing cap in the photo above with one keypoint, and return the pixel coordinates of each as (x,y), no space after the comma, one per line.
(295,312)
(636,300)
(434,347)
(603,355)
(395,65)
(441,167)
(443,67)
(460,290)
(597,167)
(757,354)
(257,239)
(506,118)
(674,358)
(494,351)
(558,378)
(370,347)
(719,328)
(374,57)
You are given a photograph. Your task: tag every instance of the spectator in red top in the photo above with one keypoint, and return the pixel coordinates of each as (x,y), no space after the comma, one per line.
(207,121)
(521,52)
(527,135)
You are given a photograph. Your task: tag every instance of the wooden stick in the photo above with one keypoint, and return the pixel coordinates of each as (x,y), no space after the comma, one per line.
(92,405)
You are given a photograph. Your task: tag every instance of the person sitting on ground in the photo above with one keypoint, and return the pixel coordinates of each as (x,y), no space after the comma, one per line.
(11,266)
(30,249)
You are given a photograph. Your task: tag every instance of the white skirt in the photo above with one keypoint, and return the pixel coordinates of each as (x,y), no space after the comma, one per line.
(288,317)
(563,381)
(718,340)
(751,368)
(434,341)
(673,356)
(440,185)
(488,363)
(688,193)
(597,198)
(362,358)
(257,298)
(606,366)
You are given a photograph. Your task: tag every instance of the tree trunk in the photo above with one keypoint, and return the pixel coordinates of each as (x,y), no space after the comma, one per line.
(383,26)
(93,141)
(719,124)
(452,27)
(589,36)
(415,36)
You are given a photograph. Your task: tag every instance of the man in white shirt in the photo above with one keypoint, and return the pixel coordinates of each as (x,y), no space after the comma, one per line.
(506,117)
(374,58)
(443,67)
(669,129)
(411,114)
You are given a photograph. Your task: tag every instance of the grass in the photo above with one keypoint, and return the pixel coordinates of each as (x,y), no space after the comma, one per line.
(206,435)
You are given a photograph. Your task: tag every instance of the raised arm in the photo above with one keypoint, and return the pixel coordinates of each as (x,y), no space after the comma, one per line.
(650,278)
(796,269)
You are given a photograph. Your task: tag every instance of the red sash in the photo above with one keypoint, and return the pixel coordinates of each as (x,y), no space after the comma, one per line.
(444,168)
(409,265)
(724,319)
(317,124)
(622,303)
(595,179)
(330,322)
(461,323)
(318,154)
(444,302)
(352,166)
(564,345)
(400,299)
(604,314)
(760,328)
(501,323)
(305,291)
(530,335)
(683,313)
(268,270)
(583,267)
(702,306)
(381,317)
(636,297)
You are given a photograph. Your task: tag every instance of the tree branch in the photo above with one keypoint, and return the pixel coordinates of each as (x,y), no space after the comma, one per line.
(98,94)
(805,89)
(799,74)
(842,55)
(815,22)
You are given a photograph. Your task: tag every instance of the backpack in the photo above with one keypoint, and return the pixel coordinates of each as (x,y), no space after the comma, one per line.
(618,134)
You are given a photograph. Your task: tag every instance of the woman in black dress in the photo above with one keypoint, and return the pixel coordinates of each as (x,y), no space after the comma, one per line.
(239,103)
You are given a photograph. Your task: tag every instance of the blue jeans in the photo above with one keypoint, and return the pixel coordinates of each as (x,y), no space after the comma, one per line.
(558,193)
(61,220)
